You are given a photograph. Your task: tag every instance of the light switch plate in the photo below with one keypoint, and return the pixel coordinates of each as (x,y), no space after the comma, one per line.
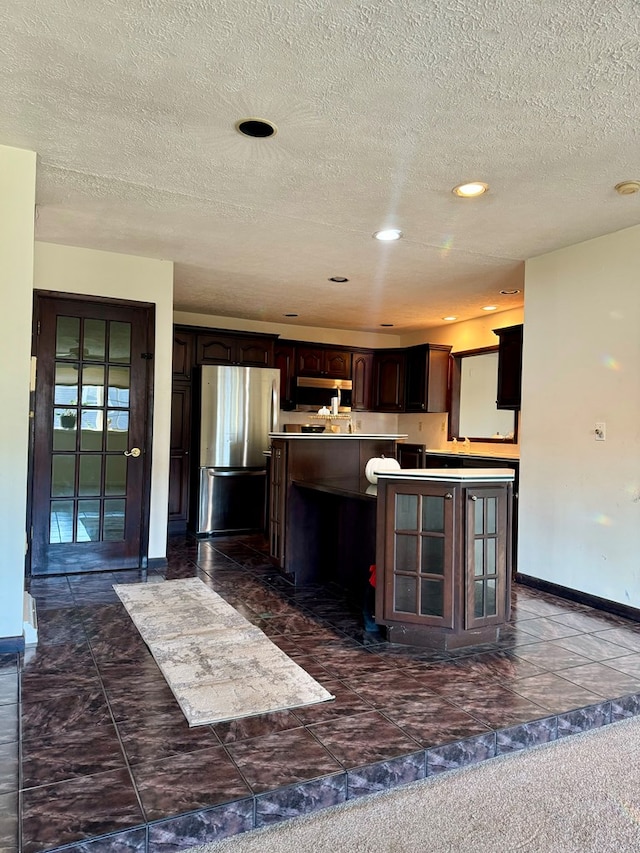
(600,431)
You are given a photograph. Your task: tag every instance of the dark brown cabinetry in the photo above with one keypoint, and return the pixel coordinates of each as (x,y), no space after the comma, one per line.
(284,359)
(362,376)
(427,378)
(247,351)
(509,367)
(322,361)
(388,380)
(443,558)
(183,343)
(277,500)
(410,455)
(179,456)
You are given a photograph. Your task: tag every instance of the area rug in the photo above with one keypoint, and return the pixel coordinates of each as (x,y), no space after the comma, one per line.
(218,665)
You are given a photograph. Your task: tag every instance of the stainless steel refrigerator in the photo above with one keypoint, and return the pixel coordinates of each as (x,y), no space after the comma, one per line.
(239,406)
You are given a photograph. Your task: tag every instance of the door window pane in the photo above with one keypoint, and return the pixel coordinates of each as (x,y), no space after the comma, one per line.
(61,522)
(432,514)
(478,599)
(94,340)
(88,521)
(115,481)
(63,476)
(114,520)
(66,384)
(432,555)
(406,512)
(479,516)
(431,598)
(491,566)
(119,380)
(491,597)
(491,515)
(117,429)
(90,471)
(120,342)
(92,385)
(405,594)
(91,435)
(406,553)
(478,557)
(67,337)
(64,430)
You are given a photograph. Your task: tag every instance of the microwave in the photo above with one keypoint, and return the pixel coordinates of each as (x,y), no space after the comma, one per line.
(314,392)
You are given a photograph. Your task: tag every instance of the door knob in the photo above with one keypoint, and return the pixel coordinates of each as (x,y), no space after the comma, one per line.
(135,452)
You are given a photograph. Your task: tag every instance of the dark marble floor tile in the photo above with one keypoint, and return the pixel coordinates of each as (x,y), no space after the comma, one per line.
(131,677)
(434,721)
(49,685)
(583,719)
(60,625)
(8,687)
(386,774)
(365,738)
(461,754)
(9,723)
(60,658)
(201,827)
(594,648)
(591,621)
(402,656)
(145,740)
(129,841)
(9,757)
(346,702)
(499,708)
(389,688)
(286,758)
(78,809)
(546,629)
(186,782)
(526,735)
(68,754)
(628,639)
(146,709)
(502,666)
(345,662)
(68,712)
(9,828)
(536,603)
(629,664)
(550,656)
(259,725)
(603,680)
(554,693)
(302,799)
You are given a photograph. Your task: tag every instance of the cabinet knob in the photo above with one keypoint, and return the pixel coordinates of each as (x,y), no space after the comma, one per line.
(473,498)
(448,496)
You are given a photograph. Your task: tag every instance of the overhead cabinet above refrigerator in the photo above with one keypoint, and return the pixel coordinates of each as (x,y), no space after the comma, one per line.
(238,409)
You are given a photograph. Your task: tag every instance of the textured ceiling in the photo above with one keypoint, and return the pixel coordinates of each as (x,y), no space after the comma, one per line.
(380,108)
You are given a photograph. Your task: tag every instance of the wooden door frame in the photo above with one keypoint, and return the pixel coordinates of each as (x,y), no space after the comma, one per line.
(145,504)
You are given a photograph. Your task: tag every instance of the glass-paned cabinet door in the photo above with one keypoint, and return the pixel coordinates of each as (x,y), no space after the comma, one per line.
(418,547)
(486,556)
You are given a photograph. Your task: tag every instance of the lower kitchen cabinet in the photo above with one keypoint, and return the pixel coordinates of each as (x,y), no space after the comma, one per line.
(277,501)
(443,560)
(179,457)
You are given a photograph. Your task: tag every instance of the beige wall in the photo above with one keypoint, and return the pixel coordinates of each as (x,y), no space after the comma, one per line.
(108,274)
(17,206)
(579,522)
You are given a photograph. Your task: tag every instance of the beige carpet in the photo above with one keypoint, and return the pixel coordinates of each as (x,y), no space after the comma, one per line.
(218,665)
(578,795)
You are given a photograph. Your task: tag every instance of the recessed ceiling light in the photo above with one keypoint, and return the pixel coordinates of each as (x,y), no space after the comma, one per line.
(289,315)
(389,325)
(259,128)
(471,189)
(627,187)
(388,234)
(509,292)
(339,278)
(489,307)
(449,318)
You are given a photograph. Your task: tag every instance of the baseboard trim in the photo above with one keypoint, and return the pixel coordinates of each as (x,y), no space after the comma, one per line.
(11,644)
(157,563)
(576,595)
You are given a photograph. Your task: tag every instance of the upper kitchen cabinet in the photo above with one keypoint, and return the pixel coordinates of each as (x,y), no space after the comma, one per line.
(509,367)
(285,361)
(388,380)
(362,377)
(244,350)
(183,342)
(323,361)
(427,378)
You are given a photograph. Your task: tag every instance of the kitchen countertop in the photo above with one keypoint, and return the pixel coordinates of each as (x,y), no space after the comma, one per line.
(342,436)
(484,475)
(429,451)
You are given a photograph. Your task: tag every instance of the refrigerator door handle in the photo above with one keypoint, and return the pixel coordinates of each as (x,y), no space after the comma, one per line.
(245,472)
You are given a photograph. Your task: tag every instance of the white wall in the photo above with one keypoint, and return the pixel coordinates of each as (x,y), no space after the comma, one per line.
(579,517)
(88,272)
(17,207)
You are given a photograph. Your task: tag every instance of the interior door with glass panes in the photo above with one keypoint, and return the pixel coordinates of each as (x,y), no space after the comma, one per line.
(90,427)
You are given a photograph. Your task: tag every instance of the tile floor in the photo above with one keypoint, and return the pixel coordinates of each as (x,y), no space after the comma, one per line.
(96,756)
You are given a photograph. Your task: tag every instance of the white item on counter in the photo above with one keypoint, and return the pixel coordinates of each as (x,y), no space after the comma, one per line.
(324,411)
(335,403)
(377,464)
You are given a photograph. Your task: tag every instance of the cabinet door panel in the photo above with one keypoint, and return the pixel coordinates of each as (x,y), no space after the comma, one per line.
(337,364)
(284,360)
(309,362)
(509,367)
(214,349)
(389,381)
(179,463)
(255,353)
(182,355)
(362,376)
